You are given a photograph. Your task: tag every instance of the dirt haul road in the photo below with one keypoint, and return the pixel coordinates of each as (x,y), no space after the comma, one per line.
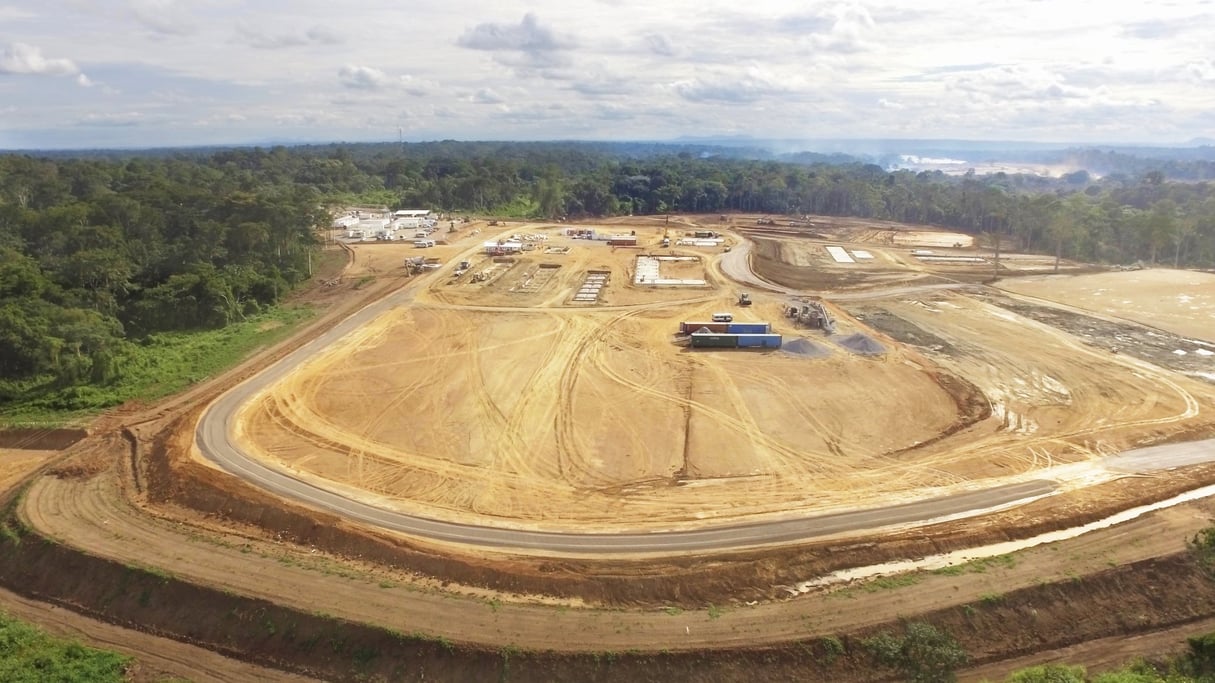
(93,515)
(526,427)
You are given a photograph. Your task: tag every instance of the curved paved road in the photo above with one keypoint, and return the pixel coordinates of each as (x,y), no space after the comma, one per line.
(215,441)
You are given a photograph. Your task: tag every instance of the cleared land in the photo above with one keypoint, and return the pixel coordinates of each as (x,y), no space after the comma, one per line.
(1179,301)
(500,399)
(1007,387)
(16,463)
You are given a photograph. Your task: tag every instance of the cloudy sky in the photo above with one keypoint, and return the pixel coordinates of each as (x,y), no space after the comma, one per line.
(122,73)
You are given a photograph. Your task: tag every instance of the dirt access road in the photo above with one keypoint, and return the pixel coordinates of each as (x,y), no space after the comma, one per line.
(102,521)
(454,405)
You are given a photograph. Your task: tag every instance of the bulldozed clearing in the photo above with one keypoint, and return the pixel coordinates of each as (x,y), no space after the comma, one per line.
(513,405)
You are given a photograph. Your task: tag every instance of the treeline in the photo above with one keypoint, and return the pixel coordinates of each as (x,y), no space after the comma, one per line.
(1113,219)
(95,253)
(103,249)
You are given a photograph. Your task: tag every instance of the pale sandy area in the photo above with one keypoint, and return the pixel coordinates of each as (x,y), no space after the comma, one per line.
(505,400)
(1180,301)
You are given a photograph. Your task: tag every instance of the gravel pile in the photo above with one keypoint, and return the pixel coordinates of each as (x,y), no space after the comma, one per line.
(861,344)
(804,347)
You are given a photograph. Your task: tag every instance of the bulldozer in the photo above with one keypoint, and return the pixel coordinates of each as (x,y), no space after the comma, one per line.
(744,299)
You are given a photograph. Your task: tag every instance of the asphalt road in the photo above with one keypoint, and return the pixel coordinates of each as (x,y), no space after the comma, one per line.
(214,439)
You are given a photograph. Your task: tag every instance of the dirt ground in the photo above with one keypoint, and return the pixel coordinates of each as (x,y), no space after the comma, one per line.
(95,515)
(1179,301)
(503,400)
(552,410)
(16,463)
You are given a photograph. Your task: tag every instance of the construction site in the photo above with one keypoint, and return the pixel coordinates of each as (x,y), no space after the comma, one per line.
(666,415)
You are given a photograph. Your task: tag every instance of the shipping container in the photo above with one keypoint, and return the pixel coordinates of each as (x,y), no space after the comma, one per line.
(749,328)
(766,341)
(690,327)
(714,341)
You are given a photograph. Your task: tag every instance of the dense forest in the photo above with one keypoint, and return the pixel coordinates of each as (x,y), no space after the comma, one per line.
(96,253)
(102,250)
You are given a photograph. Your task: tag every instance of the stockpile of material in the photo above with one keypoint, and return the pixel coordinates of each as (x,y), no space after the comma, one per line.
(861,344)
(807,348)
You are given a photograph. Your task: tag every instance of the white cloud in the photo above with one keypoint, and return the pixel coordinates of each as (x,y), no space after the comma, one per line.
(273,41)
(363,77)
(1014,83)
(486,96)
(165,17)
(1201,70)
(371,78)
(523,45)
(658,44)
(113,119)
(10,13)
(851,30)
(1013,69)
(753,84)
(19,58)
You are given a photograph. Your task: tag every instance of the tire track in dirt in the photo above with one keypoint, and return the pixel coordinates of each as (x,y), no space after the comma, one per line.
(93,516)
(572,466)
(721,417)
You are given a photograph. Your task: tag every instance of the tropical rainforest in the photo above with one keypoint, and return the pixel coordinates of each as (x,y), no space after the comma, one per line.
(104,252)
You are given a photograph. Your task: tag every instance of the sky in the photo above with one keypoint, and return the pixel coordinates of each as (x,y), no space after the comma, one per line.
(149,73)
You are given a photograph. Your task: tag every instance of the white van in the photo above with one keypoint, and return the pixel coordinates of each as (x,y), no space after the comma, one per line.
(423,244)
(723,318)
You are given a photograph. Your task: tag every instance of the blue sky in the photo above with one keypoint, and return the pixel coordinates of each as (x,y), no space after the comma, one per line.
(116,73)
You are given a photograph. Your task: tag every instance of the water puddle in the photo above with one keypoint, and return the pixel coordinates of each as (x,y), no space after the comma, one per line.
(962,556)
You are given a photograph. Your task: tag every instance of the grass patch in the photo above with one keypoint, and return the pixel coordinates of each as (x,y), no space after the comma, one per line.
(28,655)
(991,598)
(883,583)
(161,365)
(978,565)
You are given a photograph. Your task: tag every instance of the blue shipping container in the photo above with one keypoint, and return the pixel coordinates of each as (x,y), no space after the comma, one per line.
(767,341)
(749,328)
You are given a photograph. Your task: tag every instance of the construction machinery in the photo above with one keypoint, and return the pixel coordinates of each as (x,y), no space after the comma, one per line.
(812,314)
(744,299)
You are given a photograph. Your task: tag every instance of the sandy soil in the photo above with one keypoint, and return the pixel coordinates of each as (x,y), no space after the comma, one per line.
(95,516)
(490,399)
(468,366)
(500,400)
(16,463)
(1182,302)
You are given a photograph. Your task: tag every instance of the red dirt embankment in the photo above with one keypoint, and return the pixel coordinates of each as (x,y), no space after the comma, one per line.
(40,439)
(1138,598)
